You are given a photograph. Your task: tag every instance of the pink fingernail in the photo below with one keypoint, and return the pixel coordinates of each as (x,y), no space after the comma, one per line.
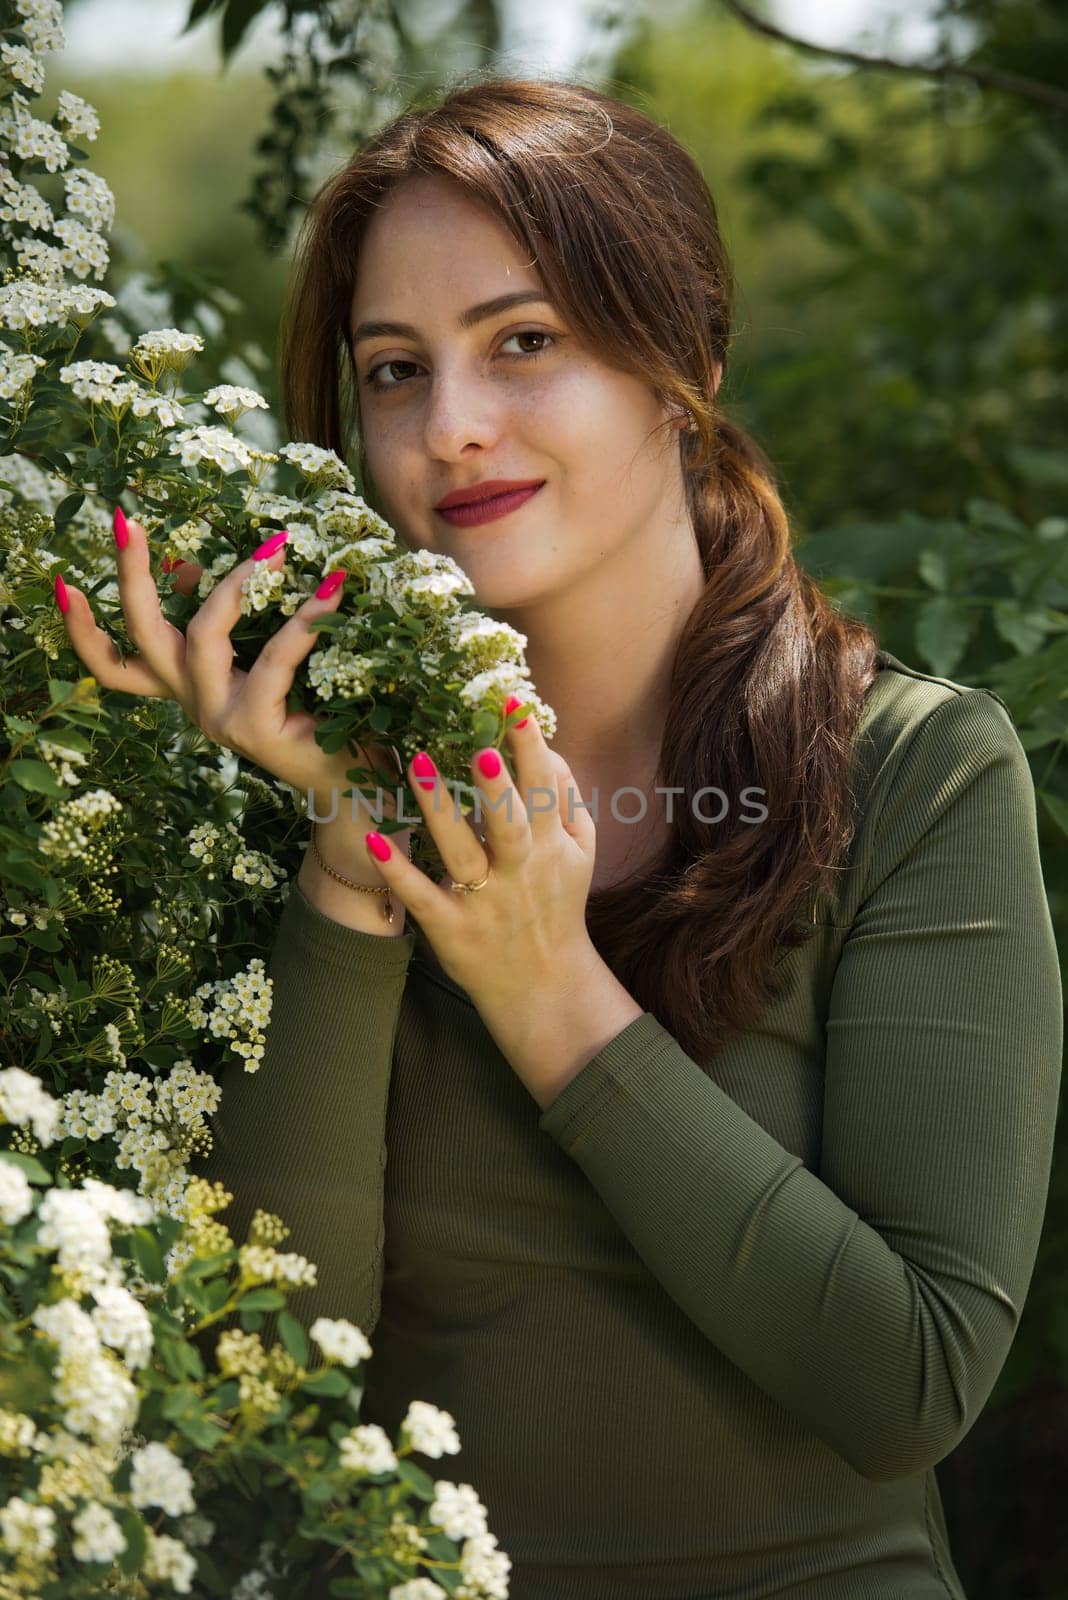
(378,846)
(269,546)
(332,581)
(424,770)
(122,532)
(513,703)
(489,763)
(62,598)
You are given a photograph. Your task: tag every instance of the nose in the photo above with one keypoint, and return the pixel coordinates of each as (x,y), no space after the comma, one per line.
(462,410)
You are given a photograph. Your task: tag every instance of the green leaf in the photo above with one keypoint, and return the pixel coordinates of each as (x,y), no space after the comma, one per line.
(146,1253)
(36,776)
(133,1527)
(67,510)
(33,1169)
(238,15)
(326,1380)
(1057,808)
(204,1434)
(941,632)
(1026,630)
(420,1482)
(934,569)
(262,1300)
(1048,469)
(293,1337)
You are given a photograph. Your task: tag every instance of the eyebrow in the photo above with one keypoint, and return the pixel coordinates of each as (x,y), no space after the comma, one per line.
(479,313)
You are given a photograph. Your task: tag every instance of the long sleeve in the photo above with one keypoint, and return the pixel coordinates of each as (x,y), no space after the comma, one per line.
(304,1135)
(875,1298)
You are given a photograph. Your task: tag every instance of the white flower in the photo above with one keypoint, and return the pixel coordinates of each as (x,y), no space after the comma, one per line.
(98,1536)
(27,1530)
(69,1327)
(17,372)
(30,138)
(240,1005)
(457,1509)
(158,1478)
(253,867)
(16,1195)
(367,1449)
(90,197)
(418,1589)
(42,24)
(430,1431)
(86,250)
(73,1226)
(23,1100)
(340,1340)
(231,400)
(20,202)
(92,380)
(484,1567)
(123,1323)
(77,117)
(216,445)
(319,465)
(23,66)
(168,1561)
(18,1433)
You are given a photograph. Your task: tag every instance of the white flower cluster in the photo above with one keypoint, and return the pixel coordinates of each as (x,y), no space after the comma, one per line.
(164,349)
(240,1010)
(322,467)
(16,1195)
(217,446)
(421,577)
(25,304)
(261,1263)
(62,759)
(17,373)
(252,867)
(430,1430)
(156,1124)
(340,1340)
(74,1224)
(96,1396)
(231,400)
(23,1102)
(31,138)
(42,24)
(64,836)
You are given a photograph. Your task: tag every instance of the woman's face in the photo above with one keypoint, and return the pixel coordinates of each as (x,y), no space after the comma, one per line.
(512,396)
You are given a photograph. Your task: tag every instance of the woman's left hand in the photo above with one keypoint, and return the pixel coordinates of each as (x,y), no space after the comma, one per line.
(520,941)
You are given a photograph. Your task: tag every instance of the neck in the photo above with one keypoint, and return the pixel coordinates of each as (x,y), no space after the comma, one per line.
(601,654)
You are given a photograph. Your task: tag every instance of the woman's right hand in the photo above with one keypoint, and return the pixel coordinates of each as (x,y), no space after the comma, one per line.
(242,711)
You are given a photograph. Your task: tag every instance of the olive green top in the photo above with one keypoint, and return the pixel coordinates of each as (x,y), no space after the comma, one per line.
(705,1331)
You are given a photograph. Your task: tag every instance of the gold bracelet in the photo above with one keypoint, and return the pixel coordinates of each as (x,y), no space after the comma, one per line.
(363,888)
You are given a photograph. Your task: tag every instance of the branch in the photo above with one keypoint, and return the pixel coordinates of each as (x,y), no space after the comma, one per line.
(987,77)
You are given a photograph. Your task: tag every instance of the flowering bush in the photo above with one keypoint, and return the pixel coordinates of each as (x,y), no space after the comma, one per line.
(149,1434)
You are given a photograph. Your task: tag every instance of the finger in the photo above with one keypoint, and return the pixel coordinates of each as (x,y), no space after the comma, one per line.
(101,655)
(270,678)
(428,902)
(160,645)
(209,651)
(186,575)
(536,768)
(455,834)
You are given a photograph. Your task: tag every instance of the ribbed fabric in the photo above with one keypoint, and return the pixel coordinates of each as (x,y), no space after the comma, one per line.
(705,1330)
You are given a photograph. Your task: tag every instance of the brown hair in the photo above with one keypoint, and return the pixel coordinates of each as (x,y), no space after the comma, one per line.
(769,678)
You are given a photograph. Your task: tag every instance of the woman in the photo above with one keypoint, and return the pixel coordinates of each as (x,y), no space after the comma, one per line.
(696,1167)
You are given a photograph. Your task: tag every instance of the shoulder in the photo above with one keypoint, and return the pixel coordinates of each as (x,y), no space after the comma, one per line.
(910,714)
(920,744)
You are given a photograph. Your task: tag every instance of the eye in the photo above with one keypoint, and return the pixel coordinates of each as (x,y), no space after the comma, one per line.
(373,381)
